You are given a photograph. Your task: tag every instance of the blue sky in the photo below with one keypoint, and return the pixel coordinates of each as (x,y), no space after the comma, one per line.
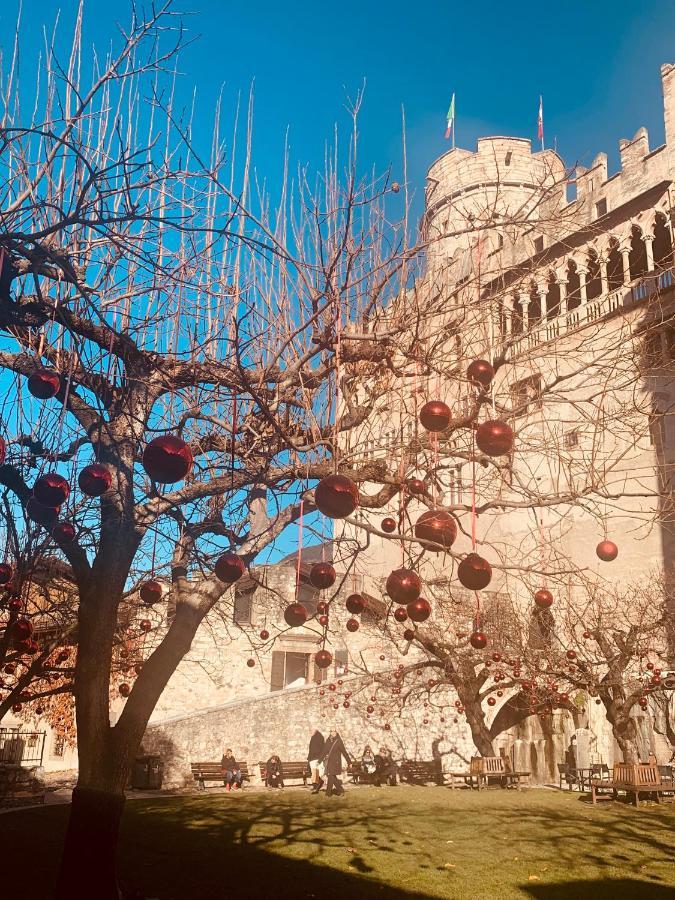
(596,64)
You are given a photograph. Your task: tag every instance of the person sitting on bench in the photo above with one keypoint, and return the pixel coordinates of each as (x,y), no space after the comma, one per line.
(368,761)
(232,776)
(386,767)
(274,774)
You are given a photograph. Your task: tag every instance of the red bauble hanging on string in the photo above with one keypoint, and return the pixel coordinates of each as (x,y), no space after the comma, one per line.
(145,625)
(491,701)
(401,614)
(607,550)
(388,525)
(322,606)
(480,373)
(229,568)
(543,598)
(94,480)
(44,383)
(355,604)
(478,640)
(323,659)
(474,572)
(352,625)
(495,437)
(250,663)
(323,620)
(51,489)
(419,610)
(151,592)
(124,689)
(64,532)
(6,573)
(336,496)
(295,615)
(436,530)
(37,512)
(403,586)
(322,576)
(22,630)
(416,486)
(435,416)
(264,634)
(167,459)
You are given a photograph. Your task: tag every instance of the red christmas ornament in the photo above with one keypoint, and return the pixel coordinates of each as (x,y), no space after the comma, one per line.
(388,525)
(167,459)
(6,572)
(494,437)
(387,727)
(355,604)
(491,701)
(607,551)
(9,669)
(543,599)
(346,704)
(145,625)
(229,568)
(250,663)
(435,415)
(322,575)
(416,486)
(436,530)
(497,657)
(323,658)
(370,709)
(480,373)
(474,572)
(336,496)
(40,514)
(571,654)
(151,592)
(22,630)
(419,610)
(403,586)
(409,634)
(138,668)
(124,689)
(401,614)
(587,634)
(44,383)
(322,606)
(17,707)
(352,625)
(51,489)
(478,640)
(264,634)
(64,532)
(94,480)
(650,666)
(323,620)
(295,615)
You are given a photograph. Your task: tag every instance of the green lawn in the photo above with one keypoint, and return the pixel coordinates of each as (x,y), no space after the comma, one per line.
(407,842)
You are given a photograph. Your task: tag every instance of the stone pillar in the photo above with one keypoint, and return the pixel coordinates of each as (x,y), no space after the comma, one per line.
(649,247)
(604,280)
(507,310)
(582,286)
(542,304)
(563,297)
(524,298)
(625,256)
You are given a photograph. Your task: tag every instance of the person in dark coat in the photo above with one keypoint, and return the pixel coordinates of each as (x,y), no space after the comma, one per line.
(316,745)
(331,757)
(274,774)
(385,767)
(232,776)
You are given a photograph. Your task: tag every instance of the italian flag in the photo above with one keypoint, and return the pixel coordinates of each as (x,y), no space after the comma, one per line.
(451,118)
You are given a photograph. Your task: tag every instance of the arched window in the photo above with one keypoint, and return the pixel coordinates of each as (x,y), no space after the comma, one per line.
(573,286)
(534,307)
(663,247)
(593,280)
(552,298)
(614,267)
(516,317)
(637,258)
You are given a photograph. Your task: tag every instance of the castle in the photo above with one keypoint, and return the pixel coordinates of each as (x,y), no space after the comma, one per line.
(551,282)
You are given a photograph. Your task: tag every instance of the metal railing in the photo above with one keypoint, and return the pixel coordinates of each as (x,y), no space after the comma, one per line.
(21,748)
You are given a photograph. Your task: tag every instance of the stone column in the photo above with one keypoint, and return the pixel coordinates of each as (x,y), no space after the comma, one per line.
(582,286)
(542,304)
(604,280)
(625,256)
(649,247)
(563,297)
(524,298)
(507,310)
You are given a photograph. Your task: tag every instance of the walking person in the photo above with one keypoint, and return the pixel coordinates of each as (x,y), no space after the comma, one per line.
(232,776)
(333,752)
(316,745)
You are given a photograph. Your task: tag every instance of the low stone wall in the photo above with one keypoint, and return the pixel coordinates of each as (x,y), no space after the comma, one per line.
(21,786)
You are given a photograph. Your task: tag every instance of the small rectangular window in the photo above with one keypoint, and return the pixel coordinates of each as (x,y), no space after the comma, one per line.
(59,745)
(526,395)
(538,244)
(341,662)
(571,439)
(601,208)
(243,603)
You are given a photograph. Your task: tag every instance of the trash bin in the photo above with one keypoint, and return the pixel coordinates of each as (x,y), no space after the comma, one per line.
(147,773)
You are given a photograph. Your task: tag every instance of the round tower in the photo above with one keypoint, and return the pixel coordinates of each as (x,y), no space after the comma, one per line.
(470,194)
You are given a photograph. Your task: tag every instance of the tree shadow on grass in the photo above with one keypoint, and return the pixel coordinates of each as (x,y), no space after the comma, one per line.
(606,889)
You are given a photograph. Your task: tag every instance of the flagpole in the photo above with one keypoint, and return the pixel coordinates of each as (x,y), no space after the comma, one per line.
(541,113)
(454,120)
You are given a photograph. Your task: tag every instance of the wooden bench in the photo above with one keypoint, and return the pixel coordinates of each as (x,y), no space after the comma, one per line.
(290,770)
(484,769)
(212,771)
(421,772)
(359,776)
(629,778)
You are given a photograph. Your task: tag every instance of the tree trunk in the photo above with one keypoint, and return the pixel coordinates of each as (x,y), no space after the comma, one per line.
(625,734)
(89,855)
(479,731)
